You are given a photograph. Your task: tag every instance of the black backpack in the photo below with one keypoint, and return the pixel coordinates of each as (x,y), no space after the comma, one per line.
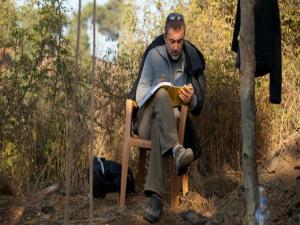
(107,178)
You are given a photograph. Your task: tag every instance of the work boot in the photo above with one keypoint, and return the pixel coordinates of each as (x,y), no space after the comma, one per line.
(183,158)
(154,209)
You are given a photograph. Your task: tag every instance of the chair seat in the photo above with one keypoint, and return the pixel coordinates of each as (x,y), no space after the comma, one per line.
(139,142)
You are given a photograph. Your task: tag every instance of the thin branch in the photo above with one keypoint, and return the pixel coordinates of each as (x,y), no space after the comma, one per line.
(91,139)
(72,137)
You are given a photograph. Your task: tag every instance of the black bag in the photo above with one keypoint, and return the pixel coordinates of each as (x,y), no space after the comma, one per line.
(107,178)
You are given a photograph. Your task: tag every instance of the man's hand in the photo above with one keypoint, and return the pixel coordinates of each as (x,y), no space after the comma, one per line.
(186,93)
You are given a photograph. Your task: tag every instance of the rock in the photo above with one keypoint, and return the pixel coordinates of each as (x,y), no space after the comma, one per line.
(47,209)
(217,220)
(194,218)
(296,217)
(272,164)
(5,186)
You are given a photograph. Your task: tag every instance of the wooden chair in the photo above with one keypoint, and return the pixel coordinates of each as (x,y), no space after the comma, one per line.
(132,140)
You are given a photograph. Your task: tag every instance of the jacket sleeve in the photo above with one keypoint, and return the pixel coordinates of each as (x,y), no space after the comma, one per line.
(276,72)
(199,84)
(157,42)
(146,80)
(236,31)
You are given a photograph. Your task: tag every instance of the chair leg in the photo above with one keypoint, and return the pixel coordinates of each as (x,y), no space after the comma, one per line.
(175,188)
(185,184)
(125,161)
(141,170)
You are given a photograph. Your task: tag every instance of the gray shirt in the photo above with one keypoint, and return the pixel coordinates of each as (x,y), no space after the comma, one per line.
(158,68)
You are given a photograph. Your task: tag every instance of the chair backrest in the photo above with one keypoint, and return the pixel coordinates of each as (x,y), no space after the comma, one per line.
(129,113)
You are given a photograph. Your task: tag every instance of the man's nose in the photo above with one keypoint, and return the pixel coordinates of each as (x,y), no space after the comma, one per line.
(176,46)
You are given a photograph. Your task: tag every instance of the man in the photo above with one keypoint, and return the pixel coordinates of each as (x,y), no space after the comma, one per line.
(169,58)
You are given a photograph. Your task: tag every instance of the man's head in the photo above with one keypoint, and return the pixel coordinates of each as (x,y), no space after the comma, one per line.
(174,34)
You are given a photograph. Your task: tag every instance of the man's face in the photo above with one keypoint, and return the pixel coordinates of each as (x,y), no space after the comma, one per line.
(174,42)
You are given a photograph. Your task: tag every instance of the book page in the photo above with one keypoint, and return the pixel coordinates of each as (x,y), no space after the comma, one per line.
(172,90)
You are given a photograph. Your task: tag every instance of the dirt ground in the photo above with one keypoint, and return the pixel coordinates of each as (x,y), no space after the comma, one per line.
(218,201)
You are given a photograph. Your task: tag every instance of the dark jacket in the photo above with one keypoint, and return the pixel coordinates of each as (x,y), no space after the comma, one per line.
(194,67)
(267,44)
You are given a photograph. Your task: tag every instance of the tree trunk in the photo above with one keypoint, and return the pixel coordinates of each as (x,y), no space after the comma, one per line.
(248,106)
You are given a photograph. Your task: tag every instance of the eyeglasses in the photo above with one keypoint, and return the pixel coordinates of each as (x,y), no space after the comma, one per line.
(174,16)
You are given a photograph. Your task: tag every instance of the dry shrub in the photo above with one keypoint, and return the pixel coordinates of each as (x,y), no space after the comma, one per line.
(35,130)
(210,28)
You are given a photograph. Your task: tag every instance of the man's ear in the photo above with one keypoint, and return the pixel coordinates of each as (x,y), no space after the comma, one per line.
(165,37)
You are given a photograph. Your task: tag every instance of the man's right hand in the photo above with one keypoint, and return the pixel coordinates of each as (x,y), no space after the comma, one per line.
(186,93)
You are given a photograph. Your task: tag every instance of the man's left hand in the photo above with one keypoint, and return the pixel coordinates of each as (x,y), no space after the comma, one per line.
(186,93)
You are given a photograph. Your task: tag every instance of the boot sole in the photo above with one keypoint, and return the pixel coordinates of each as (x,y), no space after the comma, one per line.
(148,217)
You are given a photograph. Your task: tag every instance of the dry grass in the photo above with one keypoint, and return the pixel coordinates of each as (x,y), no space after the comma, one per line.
(209,27)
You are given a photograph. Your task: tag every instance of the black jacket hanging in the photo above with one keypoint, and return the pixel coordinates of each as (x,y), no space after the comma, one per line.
(267,44)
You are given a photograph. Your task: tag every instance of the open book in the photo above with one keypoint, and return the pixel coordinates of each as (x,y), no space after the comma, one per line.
(170,88)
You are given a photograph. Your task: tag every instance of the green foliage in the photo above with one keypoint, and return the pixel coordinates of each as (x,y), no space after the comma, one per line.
(108,17)
(37,89)
(8,19)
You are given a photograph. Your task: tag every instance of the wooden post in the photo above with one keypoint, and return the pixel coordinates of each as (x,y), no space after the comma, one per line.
(248,105)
